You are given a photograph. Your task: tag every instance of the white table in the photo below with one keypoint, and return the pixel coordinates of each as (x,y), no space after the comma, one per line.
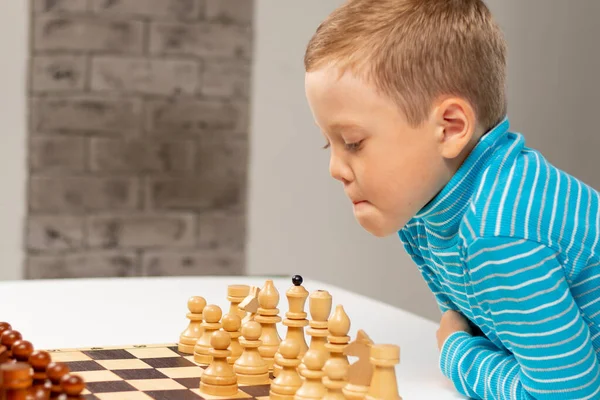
(106,312)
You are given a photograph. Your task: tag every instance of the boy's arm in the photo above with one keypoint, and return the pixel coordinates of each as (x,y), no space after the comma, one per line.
(521,285)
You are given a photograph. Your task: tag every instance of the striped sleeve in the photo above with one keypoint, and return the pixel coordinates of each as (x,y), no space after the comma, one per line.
(522,288)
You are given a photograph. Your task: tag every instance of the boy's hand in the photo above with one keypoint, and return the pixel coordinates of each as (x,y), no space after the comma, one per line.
(452,321)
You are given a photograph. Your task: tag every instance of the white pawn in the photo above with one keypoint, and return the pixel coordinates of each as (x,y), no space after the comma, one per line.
(336,371)
(232,324)
(219,379)
(189,337)
(313,374)
(211,315)
(250,368)
(287,383)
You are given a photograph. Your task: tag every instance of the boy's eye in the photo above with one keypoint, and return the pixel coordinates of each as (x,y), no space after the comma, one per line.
(353,146)
(326,145)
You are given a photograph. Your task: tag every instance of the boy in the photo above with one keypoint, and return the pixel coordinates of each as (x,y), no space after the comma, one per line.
(410,95)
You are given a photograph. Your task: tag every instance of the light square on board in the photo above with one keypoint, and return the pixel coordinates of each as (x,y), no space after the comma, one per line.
(123,396)
(191,358)
(155,384)
(69,356)
(182,372)
(152,352)
(240,395)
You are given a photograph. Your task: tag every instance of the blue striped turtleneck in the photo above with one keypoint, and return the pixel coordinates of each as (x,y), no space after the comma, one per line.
(512,243)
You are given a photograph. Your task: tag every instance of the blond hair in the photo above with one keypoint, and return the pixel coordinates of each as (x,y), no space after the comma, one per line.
(417,50)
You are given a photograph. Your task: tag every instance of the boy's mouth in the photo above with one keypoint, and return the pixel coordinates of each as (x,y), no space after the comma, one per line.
(355,199)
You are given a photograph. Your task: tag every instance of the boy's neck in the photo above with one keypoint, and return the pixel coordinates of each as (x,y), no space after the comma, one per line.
(444,212)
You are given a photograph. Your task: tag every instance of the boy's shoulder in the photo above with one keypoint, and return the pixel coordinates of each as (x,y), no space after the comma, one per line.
(509,190)
(522,195)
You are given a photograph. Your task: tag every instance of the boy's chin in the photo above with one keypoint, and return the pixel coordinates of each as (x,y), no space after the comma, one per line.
(376,225)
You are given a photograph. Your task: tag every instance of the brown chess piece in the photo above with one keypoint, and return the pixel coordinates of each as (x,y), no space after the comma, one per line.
(189,337)
(384,385)
(218,379)
(8,338)
(55,372)
(16,378)
(39,361)
(21,350)
(4,353)
(4,326)
(72,385)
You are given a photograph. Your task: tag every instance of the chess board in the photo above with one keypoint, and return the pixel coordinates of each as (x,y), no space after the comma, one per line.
(157,371)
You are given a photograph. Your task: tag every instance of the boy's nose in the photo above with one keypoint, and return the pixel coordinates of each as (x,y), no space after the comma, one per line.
(339,170)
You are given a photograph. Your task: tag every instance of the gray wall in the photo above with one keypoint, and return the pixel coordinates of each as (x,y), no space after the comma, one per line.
(138,137)
(300,221)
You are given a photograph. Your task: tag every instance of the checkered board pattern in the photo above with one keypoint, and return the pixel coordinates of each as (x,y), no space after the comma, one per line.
(139,372)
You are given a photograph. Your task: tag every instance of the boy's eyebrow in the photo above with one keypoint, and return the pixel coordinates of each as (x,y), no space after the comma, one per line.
(339,126)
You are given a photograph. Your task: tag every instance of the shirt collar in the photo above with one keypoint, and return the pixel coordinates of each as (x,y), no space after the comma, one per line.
(445,211)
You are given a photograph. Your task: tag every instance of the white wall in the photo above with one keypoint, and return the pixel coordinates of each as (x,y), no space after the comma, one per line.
(13,70)
(300,221)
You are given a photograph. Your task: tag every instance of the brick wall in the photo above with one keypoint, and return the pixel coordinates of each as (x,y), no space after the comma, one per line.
(138,137)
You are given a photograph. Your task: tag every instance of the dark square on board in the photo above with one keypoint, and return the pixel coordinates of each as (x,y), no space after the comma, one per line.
(109,387)
(81,366)
(169,362)
(190,383)
(257,390)
(117,354)
(183,394)
(143,373)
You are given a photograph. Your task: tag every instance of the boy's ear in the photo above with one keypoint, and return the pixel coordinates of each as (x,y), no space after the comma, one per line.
(455,121)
